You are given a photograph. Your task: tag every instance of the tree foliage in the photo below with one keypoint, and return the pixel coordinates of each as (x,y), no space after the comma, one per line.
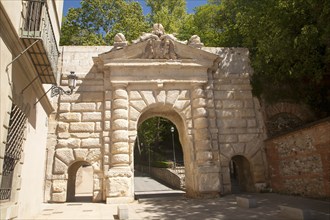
(96,22)
(171,14)
(288,42)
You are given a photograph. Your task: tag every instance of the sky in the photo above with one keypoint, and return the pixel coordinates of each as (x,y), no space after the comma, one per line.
(191,4)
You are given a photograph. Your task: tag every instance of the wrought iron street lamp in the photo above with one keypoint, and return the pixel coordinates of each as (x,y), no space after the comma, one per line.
(72,82)
(174,160)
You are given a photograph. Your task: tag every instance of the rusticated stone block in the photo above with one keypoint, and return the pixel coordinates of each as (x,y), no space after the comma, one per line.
(65,155)
(120,159)
(184,95)
(70,117)
(59,197)
(71,142)
(149,97)
(92,96)
(206,179)
(82,127)
(203,156)
(120,103)
(199,112)
(80,154)
(138,105)
(235,104)
(247,137)
(119,114)
(201,134)
(91,142)
(64,107)
(83,107)
(135,95)
(97,184)
(233,123)
(59,167)
(172,96)
(227,150)
(230,138)
(120,124)
(63,135)
(120,94)
(120,148)
(197,93)
(120,136)
(62,127)
(59,186)
(199,102)
(161,96)
(200,123)
(91,116)
(71,98)
(180,105)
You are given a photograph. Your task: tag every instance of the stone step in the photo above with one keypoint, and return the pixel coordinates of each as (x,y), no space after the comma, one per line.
(170,194)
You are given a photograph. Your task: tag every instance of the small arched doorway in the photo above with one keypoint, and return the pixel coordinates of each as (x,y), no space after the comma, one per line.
(240,175)
(80,182)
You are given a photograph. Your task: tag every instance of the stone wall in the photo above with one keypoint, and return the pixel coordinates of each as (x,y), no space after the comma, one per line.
(77,128)
(206,94)
(299,161)
(235,117)
(164,174)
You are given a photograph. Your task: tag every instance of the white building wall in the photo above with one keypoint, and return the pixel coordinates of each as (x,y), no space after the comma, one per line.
(33,169)
(28,181)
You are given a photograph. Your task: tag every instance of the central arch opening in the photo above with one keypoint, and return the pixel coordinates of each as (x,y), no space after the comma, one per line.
(159,158)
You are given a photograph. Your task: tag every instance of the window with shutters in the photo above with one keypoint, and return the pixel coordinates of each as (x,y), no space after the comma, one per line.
(13,150)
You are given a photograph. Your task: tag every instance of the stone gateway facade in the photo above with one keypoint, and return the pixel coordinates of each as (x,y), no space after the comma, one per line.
(205,92)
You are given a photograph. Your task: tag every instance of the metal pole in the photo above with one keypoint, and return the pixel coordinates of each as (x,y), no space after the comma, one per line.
(149,159)
(174,160)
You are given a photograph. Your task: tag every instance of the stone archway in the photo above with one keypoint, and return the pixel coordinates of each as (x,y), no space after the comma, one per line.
(174,117)
(72,182)
(241,175)
(185,106)
(66,164)
(205,92)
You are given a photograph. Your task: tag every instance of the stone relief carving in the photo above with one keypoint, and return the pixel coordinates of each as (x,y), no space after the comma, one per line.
(160,45)
(119,41)
(195,41)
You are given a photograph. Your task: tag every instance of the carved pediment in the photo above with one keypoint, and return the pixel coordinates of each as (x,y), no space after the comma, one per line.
(160,49)
(159,57)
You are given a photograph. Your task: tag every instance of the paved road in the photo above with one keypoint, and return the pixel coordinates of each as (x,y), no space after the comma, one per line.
(223,208)
(147,187)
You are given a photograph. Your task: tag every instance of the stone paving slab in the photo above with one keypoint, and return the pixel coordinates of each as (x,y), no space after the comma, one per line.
(224,208)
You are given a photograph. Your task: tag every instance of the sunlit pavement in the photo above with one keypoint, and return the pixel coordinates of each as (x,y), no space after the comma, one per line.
(219,208)
(174,208)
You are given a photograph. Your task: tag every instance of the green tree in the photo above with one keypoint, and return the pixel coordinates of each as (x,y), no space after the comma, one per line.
(288,42)
(171,14)
(97,22)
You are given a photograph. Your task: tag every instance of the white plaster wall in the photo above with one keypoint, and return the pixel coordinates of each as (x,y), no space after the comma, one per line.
(33,169)
(13,10)
(5,106)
